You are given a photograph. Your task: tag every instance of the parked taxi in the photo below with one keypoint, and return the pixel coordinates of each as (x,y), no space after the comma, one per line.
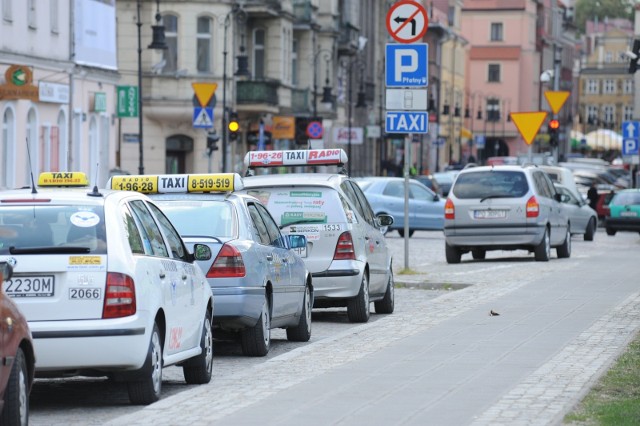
(258,280)
(106,283)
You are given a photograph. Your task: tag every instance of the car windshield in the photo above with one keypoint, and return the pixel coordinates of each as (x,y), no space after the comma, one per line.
(626,198)
(491,184)
(200,218)
(41,229)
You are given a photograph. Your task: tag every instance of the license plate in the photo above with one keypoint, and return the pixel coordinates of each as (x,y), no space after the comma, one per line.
(301,251)
(34,286)
(85,293)
(628,214)
(490,214)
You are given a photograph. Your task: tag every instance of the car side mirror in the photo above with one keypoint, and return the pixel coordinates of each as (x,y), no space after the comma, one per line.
(297,241)
(201,252)
(384,220)
(6,271)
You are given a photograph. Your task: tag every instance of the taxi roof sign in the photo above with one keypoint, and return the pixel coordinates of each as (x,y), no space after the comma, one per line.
(528,123)
(57,179)
(177,183)
(311,157)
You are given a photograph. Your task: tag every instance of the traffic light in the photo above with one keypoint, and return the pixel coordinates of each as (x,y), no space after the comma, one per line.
(212,142)
(634,55)
(554,129)
(233,126)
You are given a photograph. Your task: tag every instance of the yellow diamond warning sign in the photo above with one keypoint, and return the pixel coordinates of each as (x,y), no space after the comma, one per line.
(204,92)
(556,99)
(528,123)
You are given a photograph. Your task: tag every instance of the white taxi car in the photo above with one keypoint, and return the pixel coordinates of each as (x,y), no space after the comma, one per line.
(346,250)
(107,285)
(258,280)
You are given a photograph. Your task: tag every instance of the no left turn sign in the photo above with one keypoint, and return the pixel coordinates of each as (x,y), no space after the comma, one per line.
(407,21)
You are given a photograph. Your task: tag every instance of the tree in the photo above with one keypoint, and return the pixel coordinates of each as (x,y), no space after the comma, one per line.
(588,10)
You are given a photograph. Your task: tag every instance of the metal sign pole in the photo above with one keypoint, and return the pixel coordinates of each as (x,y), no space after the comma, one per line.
(407,159)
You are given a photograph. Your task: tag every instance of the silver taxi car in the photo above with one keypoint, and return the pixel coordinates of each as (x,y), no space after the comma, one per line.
(346,250)
(259,282)
(106,284)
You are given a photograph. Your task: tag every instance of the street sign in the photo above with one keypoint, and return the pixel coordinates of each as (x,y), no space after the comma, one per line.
(315,130)
(439,142)
(556,99)
(127,101)
(406,99)
(630,147)
(528,123)
(407,65)
(406,122)
(630,129)
(204,92)
(202,117)
(407,21)
(480,141)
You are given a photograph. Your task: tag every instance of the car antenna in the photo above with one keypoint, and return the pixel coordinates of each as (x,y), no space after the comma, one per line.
(33,184)
(95,192)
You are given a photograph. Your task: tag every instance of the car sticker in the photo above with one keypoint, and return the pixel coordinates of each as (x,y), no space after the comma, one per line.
(175,338)
(86,263)
(84,219)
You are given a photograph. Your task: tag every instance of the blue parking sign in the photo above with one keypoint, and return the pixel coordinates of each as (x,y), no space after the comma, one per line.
(407,65)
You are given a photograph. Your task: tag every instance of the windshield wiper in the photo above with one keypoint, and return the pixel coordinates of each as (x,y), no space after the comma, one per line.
(496,196)
(50,250)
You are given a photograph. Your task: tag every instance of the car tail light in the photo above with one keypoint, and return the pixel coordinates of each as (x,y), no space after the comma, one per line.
(344,248)
(228,264)
(533,208)
(120,296)
(449,209)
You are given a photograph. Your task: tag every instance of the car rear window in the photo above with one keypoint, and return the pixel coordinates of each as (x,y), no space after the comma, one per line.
(301,204)
(491,183)
(28,227)
(196,217)
(626,198)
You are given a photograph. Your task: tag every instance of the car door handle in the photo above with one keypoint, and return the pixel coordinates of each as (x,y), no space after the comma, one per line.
(269,257)
(162,274)
(184,278)
(285,260)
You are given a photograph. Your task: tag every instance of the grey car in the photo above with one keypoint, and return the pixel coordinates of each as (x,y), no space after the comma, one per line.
(505,208)
(583,219)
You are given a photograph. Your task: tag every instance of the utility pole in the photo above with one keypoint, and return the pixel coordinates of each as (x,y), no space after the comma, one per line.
(557,62)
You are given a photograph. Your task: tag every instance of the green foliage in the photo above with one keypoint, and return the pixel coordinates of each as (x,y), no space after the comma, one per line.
(588,10)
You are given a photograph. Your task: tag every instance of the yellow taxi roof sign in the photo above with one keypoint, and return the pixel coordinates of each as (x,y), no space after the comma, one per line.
(556,99)
(177,183)
(63,179)
(204,92)
(528,123)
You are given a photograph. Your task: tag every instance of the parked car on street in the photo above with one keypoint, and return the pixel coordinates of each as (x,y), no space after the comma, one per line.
(386,196)
(346,250)
(430,182)
(582,218)
(505,208)
(17,358)
(445,181)
(625,212)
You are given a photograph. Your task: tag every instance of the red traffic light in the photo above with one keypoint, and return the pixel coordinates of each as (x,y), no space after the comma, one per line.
(554,124)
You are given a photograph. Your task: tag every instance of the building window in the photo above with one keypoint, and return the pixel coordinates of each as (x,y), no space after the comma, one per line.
(609,87)
(62,139)
(203,47)
(258,53)
(32,140)
(627,112)
(170,55)
(493,109)
(294,63)
(54,16)
(593,117)
(452,16)
(6,10)
(7,141)
(608,57)
(496,31)
(609,114)
(494,73)
(627,86)
(592,87)
(31,14)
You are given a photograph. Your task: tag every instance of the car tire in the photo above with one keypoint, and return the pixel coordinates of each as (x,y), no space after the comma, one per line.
(256,341)
(611,231)
(197,370)
(302,331)
(387,304)
(452,253)
(358,309)
(478,253)
(542,251)
(564,251)
(16,395)
(147,391)
(401,232)
(590,231)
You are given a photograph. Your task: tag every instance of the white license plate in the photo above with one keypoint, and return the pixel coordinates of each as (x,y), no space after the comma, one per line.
(628,214)
(85,293)
(490,214)
(33,286)
(301,251)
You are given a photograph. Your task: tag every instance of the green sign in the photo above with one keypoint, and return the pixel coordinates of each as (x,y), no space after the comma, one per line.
(127,101)
(100,102)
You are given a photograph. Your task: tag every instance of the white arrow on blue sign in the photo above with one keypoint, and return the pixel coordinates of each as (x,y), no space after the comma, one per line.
(406,122)
(630,129)
(407,65)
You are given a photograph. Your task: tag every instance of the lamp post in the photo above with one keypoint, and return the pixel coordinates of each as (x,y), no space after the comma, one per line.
(158,42)
(227,21)
(327,58)
(361,103)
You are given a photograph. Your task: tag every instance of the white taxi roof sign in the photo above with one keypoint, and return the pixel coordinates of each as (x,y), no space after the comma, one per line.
(311,157)
(57,179)
(177,183)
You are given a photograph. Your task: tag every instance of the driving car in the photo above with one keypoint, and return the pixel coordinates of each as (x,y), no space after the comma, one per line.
(346,252)
(624,212)
(17,358)
(106,284)
(505,207)
(582,218)
(386,196)
(259,282)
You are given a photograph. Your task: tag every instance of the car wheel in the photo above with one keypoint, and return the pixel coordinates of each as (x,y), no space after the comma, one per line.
(198,369)
(611,231)
(478,254)
(147,391)
(256,340)
(387,304)
(302,331)
(358,307)
(16,395)
(543,250)
(564,251)
(590,231)
(452,253)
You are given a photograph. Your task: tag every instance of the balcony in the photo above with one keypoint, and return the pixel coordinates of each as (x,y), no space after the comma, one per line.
(257,92)
(348,39)
(303,13)
(300,100)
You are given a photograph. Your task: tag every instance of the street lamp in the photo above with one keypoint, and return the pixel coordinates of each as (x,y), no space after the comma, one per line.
(326,94)
(157,42)
(361,103)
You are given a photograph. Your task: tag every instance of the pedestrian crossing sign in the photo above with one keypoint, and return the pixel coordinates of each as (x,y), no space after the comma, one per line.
(202,117)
